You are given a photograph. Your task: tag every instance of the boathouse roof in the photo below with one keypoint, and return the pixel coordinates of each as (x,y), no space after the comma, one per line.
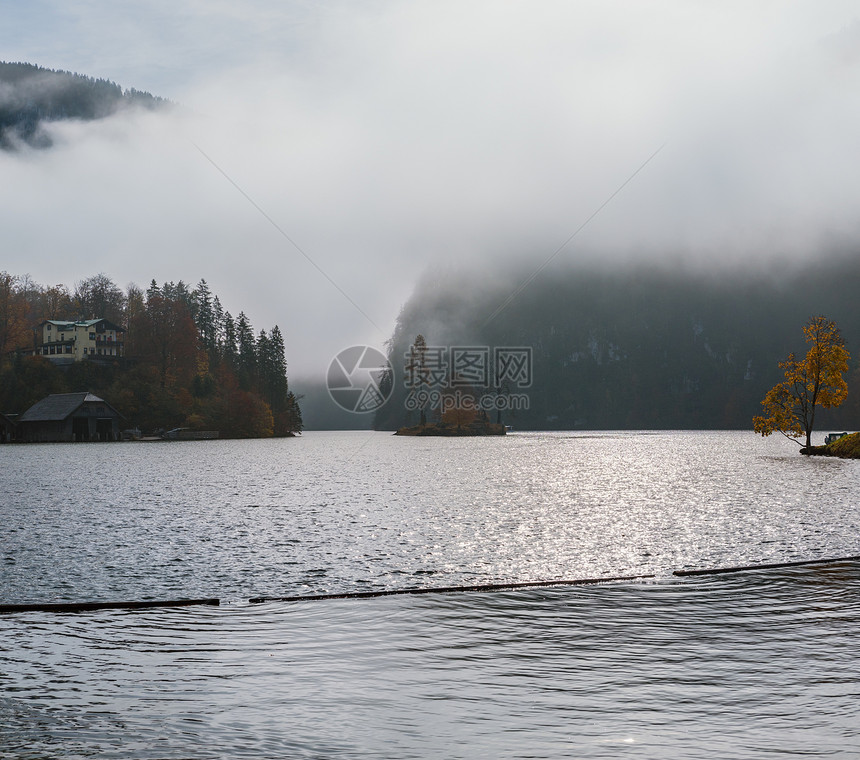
(60,406)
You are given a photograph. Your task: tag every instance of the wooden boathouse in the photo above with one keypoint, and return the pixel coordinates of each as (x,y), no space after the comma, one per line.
(69,417)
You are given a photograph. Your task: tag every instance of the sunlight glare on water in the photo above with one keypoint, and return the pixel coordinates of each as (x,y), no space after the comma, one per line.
(730,666)
(357,511)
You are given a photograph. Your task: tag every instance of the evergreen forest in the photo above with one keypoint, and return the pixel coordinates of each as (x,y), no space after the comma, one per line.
(643,346)
(31,96)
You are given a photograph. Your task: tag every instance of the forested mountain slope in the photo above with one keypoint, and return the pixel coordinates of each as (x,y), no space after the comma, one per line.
(30,96)
(645,346)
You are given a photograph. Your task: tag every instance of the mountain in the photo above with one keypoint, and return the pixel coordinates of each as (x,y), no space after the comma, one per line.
(31,96)
(643,347)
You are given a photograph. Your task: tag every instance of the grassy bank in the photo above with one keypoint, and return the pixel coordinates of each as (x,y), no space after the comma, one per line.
(847,447)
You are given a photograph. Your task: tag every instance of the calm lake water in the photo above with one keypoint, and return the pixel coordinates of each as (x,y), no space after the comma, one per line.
(732,666)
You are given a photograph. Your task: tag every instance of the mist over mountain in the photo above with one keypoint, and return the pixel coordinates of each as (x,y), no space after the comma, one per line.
(651,346)
(31,96)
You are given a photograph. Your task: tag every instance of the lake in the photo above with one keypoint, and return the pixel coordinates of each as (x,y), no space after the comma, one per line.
(736,665)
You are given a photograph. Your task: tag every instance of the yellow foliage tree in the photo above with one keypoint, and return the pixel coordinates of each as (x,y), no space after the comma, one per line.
(460,416)
(816,380)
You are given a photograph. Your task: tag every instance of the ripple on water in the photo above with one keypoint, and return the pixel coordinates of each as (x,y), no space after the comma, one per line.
(726,665)
(374,510)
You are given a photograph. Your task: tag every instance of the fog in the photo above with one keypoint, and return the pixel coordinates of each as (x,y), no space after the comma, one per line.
(321,156)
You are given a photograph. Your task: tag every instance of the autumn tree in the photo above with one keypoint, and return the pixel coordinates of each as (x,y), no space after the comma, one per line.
(240,413)
(461,415)
(816,380)
(13,315)
(56,303)
(99,297)
(135,315)
(169,336)
(30,294)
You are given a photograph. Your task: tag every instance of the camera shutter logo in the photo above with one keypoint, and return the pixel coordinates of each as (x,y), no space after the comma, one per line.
(356,379)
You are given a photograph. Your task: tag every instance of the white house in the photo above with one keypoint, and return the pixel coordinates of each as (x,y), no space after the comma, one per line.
(61,341)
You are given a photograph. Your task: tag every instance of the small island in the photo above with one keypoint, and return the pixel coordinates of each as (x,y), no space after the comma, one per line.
(458,420)
(448,429)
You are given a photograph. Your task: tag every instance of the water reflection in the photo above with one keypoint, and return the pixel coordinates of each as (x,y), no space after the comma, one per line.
(340,511)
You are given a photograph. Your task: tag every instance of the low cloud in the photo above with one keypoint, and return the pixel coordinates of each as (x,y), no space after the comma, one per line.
(384,138)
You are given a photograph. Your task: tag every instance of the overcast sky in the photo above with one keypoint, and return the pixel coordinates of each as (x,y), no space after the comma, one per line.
(382,137)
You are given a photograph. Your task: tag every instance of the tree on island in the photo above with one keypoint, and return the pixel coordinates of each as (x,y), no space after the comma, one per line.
(416,372)
(816,380)
(460,416)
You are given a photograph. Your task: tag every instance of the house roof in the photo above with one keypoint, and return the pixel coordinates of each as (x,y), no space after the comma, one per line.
(68,324)
(59,406)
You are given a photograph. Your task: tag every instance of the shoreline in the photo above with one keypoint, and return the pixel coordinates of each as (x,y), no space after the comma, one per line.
(847,447)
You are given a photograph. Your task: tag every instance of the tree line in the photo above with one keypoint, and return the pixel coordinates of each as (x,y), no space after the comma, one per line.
(187,361)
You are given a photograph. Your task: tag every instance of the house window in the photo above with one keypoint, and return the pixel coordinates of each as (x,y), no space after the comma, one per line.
(49,327)
(92,336)
(85,350)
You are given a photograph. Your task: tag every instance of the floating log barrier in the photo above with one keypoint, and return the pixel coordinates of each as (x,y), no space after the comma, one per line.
(772,566)
(444,589)
(88,606)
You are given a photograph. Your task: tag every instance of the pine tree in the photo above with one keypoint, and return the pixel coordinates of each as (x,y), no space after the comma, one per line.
(218,322)
(262,376)
(278,360)
(230,348)
(272,369)
(247,351)
(153,290)
(204,317)
(292,419)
